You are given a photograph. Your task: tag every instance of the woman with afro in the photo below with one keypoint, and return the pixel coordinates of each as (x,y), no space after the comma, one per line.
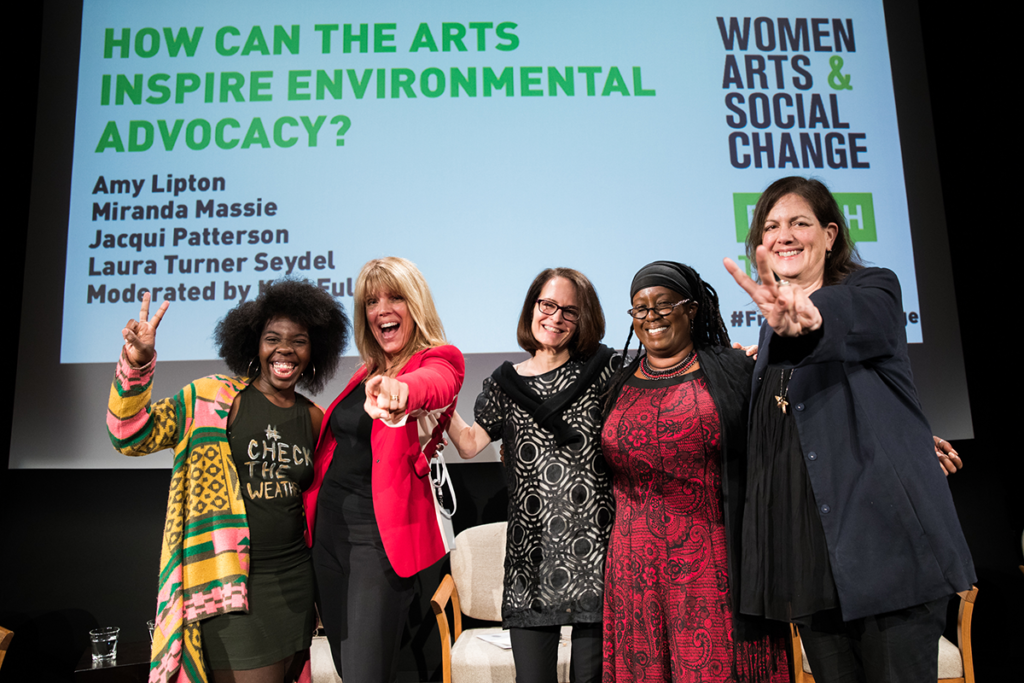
(236,580)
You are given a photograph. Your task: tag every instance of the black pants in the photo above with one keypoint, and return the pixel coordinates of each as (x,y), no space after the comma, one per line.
(535,651)
(364,603)
(895,647)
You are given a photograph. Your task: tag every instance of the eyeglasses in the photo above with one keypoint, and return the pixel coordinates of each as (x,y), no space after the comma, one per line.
(664,310)
(569,313)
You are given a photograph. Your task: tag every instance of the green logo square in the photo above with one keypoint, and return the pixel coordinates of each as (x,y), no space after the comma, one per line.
(743,209)
(860,214)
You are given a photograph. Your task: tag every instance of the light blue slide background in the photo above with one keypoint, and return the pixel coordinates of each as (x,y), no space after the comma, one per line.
(480,192)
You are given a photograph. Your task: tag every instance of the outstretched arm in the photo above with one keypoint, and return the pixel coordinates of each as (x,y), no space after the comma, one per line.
(434,384)
(469,441)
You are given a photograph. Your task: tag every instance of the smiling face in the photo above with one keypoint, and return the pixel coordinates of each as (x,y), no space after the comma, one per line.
(284,354)
(797,242)
(553,332)
(388,317)
(666,338)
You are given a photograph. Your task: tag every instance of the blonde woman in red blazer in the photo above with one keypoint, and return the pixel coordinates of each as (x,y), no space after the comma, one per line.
(371,497)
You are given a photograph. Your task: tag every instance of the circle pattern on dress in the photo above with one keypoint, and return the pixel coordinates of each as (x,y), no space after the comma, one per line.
(560,503)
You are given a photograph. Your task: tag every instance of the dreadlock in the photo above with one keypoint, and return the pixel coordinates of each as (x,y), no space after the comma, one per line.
(708,329)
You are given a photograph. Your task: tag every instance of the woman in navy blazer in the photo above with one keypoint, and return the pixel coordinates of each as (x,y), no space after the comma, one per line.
(377,524)
(850,529)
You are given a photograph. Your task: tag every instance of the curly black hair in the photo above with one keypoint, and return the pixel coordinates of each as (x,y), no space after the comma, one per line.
(238,333)
(708,329)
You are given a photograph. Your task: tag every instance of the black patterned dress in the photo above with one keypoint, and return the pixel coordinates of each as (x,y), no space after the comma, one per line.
(559,503)
(667,614)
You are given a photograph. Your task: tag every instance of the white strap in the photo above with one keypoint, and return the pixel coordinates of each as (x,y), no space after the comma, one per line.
(439,478)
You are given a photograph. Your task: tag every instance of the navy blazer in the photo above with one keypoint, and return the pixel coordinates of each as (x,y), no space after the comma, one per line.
(893,535)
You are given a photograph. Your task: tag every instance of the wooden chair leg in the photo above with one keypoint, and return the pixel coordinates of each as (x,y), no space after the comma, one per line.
(797,657)
(963,631)
(445,593)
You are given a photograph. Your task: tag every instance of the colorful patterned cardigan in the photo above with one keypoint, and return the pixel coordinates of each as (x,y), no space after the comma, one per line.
(204,559)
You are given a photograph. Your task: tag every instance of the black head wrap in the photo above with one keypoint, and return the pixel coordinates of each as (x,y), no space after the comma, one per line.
(707,329)
(676,276)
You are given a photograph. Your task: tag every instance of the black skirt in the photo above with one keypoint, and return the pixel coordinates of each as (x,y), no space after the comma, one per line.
(279,622)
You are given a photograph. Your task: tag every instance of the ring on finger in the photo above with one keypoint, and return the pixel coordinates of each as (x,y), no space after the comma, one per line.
(394,397)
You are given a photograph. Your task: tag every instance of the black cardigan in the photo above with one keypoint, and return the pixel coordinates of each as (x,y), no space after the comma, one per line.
(728,374)
(892,532)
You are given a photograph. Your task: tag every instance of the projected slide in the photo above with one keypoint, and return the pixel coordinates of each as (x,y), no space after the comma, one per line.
(221,145)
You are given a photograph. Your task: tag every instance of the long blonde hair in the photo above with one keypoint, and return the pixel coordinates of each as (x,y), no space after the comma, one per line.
(398,277)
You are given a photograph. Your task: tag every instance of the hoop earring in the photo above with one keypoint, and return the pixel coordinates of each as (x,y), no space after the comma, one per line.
(313,378)
(249,369)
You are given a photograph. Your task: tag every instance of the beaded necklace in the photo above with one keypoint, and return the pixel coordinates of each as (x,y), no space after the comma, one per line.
(679,368)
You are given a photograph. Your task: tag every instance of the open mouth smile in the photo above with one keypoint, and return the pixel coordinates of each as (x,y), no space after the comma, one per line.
(283,369)
(389,330)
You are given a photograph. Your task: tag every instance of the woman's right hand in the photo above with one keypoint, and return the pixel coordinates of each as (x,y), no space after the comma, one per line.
(140,335)
(787,308)
(387,398)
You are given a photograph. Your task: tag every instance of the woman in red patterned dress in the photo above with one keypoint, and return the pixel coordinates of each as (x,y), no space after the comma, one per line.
(675,441)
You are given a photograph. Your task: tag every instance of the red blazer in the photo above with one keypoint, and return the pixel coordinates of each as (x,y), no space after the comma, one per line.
(403,500)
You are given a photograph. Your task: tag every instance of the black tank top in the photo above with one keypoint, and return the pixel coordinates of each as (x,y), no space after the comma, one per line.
(347,491)
(272,448)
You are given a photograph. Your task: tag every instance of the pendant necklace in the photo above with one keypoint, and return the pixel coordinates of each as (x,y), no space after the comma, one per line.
(780,399)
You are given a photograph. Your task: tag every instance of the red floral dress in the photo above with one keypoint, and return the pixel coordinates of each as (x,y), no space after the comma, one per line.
(666,614)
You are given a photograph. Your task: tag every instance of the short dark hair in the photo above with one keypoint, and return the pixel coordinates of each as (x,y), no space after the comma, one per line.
(843,258)
(238,334)
(590,326)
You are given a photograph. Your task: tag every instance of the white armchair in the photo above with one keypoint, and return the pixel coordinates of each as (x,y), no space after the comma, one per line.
(474,588)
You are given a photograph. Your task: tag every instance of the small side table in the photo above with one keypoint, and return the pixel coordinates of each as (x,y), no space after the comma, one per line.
(130,666)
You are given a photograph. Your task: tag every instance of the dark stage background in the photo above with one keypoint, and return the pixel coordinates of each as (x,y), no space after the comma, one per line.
(80,548)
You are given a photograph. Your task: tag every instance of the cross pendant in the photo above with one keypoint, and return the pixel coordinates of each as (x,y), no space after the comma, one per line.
(781,402)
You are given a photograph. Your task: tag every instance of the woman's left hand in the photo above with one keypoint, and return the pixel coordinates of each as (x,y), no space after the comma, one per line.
(386,398)
(947,455)
(787,307)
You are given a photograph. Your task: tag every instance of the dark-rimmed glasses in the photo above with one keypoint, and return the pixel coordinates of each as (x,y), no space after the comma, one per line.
(548,307)
(664,310)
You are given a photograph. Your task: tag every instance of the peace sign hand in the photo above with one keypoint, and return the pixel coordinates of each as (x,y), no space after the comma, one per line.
(140,335)
(787,307)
